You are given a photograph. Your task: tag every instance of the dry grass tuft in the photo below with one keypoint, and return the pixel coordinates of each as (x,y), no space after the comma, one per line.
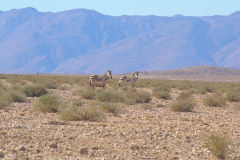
(110,96)
(15,96)
(4,100)
(183,105)
(34,90)
(87,113)
(48,103)
(185,94)
(215,100)
(219,145)
(87,93)
(233,96)
(137,97)
(110,108)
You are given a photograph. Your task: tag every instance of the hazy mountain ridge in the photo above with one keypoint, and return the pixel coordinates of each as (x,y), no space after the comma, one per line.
(198,73)
(85,41)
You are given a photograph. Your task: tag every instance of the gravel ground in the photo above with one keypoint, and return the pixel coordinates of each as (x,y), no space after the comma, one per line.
(135,133)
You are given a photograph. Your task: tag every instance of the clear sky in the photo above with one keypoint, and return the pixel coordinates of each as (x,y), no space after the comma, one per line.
(132,7)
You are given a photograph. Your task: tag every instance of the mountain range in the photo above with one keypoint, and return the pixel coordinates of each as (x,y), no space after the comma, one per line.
(86,41)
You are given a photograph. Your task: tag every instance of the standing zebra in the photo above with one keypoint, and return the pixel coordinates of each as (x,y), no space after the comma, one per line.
(101,79)
(126,79)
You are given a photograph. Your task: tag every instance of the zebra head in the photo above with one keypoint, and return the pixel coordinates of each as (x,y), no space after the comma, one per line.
(109,74)
(135,75)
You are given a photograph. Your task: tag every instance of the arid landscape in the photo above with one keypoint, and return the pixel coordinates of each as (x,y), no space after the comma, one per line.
(61,117)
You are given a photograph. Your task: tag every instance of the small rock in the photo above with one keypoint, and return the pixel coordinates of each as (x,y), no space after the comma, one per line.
(84,151)
(23,149)
(135,147)
(2,155)
(14,151)
(53,145)
(38,150)
(165,135)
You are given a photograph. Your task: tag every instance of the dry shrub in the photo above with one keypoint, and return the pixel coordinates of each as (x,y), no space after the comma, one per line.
(219,145)
(34,90)
(48,103)
(4,100)
(15,96)
(110,96)
(87,93)
(182,85)
(161,92)
(185,94)
(215,100)
(87,113)
(64,87)
(110,108)
(78,103)
(183,105)
(233,96)
(137,97)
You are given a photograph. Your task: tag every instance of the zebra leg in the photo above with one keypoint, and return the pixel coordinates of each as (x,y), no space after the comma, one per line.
(103,85)
(90,83)
(120,84)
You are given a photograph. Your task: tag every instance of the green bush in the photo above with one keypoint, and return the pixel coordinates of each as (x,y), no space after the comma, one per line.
(183,105)
(48,103)
(16,96)
(219,145)
(87,113)
(215,100)
(34,90)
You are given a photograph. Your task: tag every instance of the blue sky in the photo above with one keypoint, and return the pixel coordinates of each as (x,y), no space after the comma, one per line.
(132,7)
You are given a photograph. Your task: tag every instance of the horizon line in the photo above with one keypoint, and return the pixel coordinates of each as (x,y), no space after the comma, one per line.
(119,15)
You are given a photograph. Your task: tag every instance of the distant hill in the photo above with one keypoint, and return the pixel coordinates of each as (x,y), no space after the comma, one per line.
(85,41)
(207,73)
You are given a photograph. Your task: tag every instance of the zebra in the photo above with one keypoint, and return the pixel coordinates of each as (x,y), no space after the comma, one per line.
(103,79)
(126,79)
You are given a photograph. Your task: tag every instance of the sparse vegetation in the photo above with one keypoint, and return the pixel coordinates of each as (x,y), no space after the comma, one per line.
(16,96)
(215,100)
(183,105)
(48,103)
(137,97)
(110,108)
(161,94)
(87,113)
(87,104)
(184,95)
(78,103)
(34,90)
(233,96)
(110,96)
(87,93)
(219,145)
(4,100)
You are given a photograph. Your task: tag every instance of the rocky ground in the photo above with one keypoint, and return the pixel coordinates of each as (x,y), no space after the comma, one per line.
(135,133)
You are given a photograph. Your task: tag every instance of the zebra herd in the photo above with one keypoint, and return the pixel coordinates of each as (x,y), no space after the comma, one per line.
(108,75)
